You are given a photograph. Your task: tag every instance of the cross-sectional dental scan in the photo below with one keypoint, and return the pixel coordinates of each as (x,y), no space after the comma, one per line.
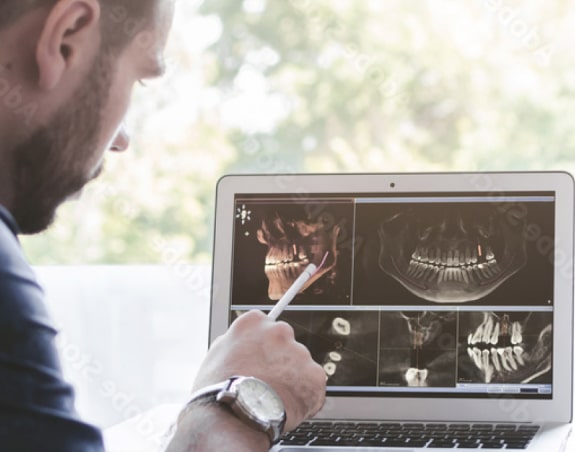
(427,295)
(343,342)
(418,348)
(505,347)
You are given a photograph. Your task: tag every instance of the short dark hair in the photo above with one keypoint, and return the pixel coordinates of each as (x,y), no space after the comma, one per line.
(121,19)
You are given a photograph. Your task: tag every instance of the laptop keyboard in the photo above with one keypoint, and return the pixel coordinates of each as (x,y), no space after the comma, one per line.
(368,434)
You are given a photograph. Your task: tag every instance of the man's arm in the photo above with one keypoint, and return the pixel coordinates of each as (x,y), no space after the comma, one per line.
(204,427)
(36,404)
(259,347)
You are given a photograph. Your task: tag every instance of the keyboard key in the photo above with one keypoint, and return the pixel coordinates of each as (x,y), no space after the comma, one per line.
(482,427)
(459,427)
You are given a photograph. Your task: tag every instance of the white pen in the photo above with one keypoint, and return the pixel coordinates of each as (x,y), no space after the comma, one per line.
(293,290)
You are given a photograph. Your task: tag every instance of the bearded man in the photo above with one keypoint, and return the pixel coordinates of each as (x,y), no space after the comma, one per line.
(67,68)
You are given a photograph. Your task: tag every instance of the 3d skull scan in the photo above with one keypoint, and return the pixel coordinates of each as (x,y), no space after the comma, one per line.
(451,253)
(505,347)
(295,238)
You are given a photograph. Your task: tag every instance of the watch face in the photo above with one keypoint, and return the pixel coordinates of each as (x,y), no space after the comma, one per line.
(259,399)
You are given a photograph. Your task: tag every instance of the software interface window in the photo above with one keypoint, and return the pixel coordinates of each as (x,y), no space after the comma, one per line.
(418,294)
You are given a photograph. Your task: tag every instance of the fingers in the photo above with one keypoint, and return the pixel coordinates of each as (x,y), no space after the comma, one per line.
(258,346)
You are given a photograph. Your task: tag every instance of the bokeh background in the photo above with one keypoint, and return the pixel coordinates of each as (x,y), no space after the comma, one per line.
(268,86)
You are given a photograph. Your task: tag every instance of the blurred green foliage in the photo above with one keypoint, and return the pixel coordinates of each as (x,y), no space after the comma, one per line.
(323,86)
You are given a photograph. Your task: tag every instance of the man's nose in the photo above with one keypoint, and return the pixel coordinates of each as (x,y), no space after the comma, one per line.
(121,141)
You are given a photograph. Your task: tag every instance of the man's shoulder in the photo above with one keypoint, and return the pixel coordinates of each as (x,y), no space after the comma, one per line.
(11,256)
(21,297)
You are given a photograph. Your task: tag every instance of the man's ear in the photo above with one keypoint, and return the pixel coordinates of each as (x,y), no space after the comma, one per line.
(71,30)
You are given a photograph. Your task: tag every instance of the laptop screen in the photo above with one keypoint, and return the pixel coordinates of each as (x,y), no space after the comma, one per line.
(419,295)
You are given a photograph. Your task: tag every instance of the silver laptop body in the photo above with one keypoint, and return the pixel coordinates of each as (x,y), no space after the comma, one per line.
(443,298)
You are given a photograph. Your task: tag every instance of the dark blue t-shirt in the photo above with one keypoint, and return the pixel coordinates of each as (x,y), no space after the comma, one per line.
(36,405)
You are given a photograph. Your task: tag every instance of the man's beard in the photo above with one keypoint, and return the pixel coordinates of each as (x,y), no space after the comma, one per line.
(51,165)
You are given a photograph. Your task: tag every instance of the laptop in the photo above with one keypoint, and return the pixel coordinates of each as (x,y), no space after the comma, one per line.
(443,311)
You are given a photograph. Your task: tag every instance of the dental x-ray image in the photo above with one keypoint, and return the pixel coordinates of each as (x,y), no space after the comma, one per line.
(505,347)
(453,253)
(274,242)
(418,348)
(343,342)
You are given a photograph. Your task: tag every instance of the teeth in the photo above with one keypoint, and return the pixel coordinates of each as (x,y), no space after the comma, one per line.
(416,377)
(341,326)
(493,267)
(495,335)
(435,273)
(509,355)
(423,252)
(518,352)
(456,258)
(441,276)
(422,269)
(434,265)
(487,330)
(416,269)
(516,336)
(411,269)
(467,256)
(482,269)
(477,336)
(477,273)
(444,259)
(507,360)
(458,274)
(476,356)
(503,359)
(495,359)
(329,368)
(489,253)
(335,356)
(487,367)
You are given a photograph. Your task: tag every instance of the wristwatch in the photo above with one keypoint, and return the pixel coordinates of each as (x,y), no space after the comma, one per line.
(251,400)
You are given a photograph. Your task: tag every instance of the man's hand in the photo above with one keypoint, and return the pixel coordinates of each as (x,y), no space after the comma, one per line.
(259,347)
